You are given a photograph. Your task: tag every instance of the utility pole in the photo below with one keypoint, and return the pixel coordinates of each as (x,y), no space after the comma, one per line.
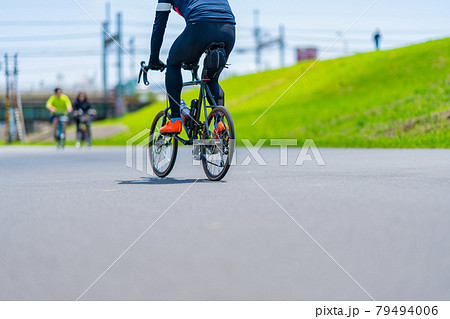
(105,37)
(119,102)
(20,121)
(282,45)
(344,43)
(7,104)
(132,50)
(262,44)
(108,40)
(257,34)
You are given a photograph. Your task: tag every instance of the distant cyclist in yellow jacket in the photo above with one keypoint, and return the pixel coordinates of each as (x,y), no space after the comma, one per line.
(59,105)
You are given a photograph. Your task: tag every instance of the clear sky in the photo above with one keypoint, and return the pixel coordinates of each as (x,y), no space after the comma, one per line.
(58,44)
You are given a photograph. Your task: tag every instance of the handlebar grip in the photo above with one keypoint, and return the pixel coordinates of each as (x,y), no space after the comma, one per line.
(144,69)
(143,73)
(146,78)
(140,73)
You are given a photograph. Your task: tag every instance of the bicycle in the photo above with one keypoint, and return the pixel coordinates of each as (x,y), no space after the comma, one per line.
(214,147)
(61,131)
(84,127)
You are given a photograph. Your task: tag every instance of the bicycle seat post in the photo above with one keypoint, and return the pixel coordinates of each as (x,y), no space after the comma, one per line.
(195,74)
(193,69)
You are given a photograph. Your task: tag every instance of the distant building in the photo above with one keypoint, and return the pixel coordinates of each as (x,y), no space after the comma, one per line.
(306,54)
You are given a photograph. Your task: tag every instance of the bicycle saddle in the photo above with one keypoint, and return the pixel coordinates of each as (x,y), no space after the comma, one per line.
(189,66)
(214,45)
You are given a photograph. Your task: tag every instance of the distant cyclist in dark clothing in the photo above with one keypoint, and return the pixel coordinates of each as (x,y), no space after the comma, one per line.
(207,21)
(81,107)
(82,103)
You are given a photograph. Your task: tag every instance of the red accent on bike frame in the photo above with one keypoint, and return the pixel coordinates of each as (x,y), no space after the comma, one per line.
(206,80)
(177,11)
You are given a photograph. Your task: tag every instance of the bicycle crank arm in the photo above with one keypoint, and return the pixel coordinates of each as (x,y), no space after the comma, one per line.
(183,141)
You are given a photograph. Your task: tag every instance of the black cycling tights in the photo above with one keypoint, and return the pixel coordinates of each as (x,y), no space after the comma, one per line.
(188,48)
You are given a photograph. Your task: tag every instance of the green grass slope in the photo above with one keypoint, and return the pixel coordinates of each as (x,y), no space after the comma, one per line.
(396,98)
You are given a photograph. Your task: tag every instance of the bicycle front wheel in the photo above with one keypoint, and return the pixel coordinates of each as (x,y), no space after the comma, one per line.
(217,155)
(162,148)
(88,137)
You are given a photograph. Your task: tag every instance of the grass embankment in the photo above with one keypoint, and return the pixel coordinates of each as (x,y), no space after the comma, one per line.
(396,98)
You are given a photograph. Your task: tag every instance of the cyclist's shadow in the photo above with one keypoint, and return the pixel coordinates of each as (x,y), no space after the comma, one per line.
(162,181)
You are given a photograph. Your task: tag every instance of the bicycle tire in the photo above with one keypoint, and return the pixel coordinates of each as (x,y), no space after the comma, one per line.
(173,141)
(223,113)
(87,137)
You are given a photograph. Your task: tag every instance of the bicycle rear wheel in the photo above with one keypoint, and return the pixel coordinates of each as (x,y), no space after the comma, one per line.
(162,148)
(218,154)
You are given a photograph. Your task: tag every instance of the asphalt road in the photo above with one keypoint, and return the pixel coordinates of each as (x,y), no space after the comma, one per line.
(383,215)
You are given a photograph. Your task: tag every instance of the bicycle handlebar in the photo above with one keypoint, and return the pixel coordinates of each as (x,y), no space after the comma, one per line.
(144,70)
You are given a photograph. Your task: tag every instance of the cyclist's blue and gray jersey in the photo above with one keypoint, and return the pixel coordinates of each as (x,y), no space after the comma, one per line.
(199,10)
(191,11)
(207,21)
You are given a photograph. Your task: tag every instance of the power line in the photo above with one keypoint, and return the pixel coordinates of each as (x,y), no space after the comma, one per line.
(62,54)
(240,27)
(58,68)
(49,37)
(291,34)
(364,31)
(44,23)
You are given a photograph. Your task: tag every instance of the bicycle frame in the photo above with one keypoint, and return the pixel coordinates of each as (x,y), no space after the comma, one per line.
(62,119)
(204,95)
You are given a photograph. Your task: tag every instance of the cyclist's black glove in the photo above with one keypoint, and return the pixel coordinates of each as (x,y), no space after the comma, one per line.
(157,65)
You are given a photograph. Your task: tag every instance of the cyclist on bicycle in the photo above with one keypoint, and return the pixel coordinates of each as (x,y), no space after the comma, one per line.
(59,105)
(81,107)
(207,21)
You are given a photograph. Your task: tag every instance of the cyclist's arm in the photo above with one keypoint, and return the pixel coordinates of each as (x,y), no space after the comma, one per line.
(159,27)
(49,104)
